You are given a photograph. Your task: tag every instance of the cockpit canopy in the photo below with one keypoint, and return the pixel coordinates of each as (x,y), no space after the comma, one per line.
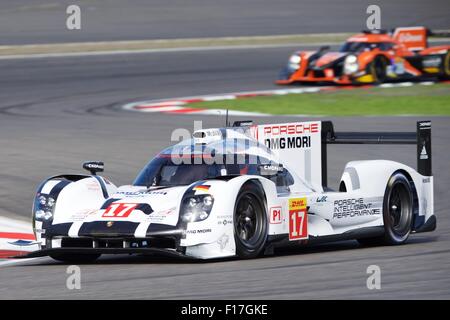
(188,162)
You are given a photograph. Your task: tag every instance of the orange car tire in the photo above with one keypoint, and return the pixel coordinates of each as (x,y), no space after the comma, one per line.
(377,68)
(446,66)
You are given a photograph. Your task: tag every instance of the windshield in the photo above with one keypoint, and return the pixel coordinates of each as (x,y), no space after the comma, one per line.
(162,171)
(358,46)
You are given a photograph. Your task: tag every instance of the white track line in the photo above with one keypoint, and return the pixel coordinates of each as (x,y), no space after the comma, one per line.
(179,49)
(15,261)
(13,225)
(161,50)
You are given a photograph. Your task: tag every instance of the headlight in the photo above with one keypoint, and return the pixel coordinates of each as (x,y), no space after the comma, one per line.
(294,61)
(196,208)
(50,202)
(42,200)
(43,207)
(351,64)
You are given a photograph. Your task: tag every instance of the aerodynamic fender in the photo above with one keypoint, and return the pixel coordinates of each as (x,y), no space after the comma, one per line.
(66,197)
(371,177)
(216,238)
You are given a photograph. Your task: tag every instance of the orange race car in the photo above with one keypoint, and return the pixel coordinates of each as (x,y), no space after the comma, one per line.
(371,57)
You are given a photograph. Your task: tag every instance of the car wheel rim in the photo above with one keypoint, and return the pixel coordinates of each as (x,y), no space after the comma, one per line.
(247,224)
(399,209)
(447,64)
(379,70)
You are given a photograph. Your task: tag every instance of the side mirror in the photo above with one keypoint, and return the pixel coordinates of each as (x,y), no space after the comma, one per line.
(94,166)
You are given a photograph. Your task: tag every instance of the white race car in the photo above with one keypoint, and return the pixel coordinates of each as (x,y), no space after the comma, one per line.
(239,191)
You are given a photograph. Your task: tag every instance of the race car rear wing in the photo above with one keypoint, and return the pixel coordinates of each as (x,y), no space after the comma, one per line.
(421,137)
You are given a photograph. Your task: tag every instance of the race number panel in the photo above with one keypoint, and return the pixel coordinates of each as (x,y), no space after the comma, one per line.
(298,219)
(119,210)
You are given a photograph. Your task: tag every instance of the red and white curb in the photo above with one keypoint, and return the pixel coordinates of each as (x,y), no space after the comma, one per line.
(16,238)
(181,106)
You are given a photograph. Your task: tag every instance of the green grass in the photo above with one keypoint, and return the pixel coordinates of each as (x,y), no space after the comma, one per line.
(414,100)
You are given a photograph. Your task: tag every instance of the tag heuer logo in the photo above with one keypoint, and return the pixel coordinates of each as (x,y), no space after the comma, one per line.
(109,224)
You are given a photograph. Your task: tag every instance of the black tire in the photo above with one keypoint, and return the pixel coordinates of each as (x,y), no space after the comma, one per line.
(250,221)
(75,258)
(377,68)
(445,66)
(397,212)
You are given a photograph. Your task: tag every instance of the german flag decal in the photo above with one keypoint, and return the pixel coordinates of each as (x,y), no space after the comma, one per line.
(201,188)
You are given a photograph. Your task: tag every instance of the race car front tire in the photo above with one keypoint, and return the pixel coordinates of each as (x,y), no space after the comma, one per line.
(397,212)
(75,258)
(250,221)
(377,68)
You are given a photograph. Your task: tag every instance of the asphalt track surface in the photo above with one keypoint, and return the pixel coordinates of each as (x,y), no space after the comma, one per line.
(44,21)
(56,113)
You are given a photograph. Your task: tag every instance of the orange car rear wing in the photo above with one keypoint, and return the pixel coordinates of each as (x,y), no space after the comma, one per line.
(414,38)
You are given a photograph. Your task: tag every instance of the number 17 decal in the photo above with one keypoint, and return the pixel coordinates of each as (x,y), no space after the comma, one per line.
(119,210)
(298,219)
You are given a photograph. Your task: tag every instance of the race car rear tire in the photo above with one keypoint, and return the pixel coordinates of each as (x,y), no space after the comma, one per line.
(250,221)
(445,67)
(75,258)
(397,212)
(377,68)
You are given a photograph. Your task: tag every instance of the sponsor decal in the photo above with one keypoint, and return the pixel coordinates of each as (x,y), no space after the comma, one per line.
(423,153)
(298,219)
(348,208)
(119,210)
(288,142)
(322,199)
(275,215)
(289,136)
(140,193)
(425,125)
(201,188)
(198,231)
(291,129)
(157,192)
(410,37)
(432,61)
(225,220)
(93,186)
(167,216)
(166,212)
(81,215)
(426,180)
(270,170)
(223,241)
(109,224)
